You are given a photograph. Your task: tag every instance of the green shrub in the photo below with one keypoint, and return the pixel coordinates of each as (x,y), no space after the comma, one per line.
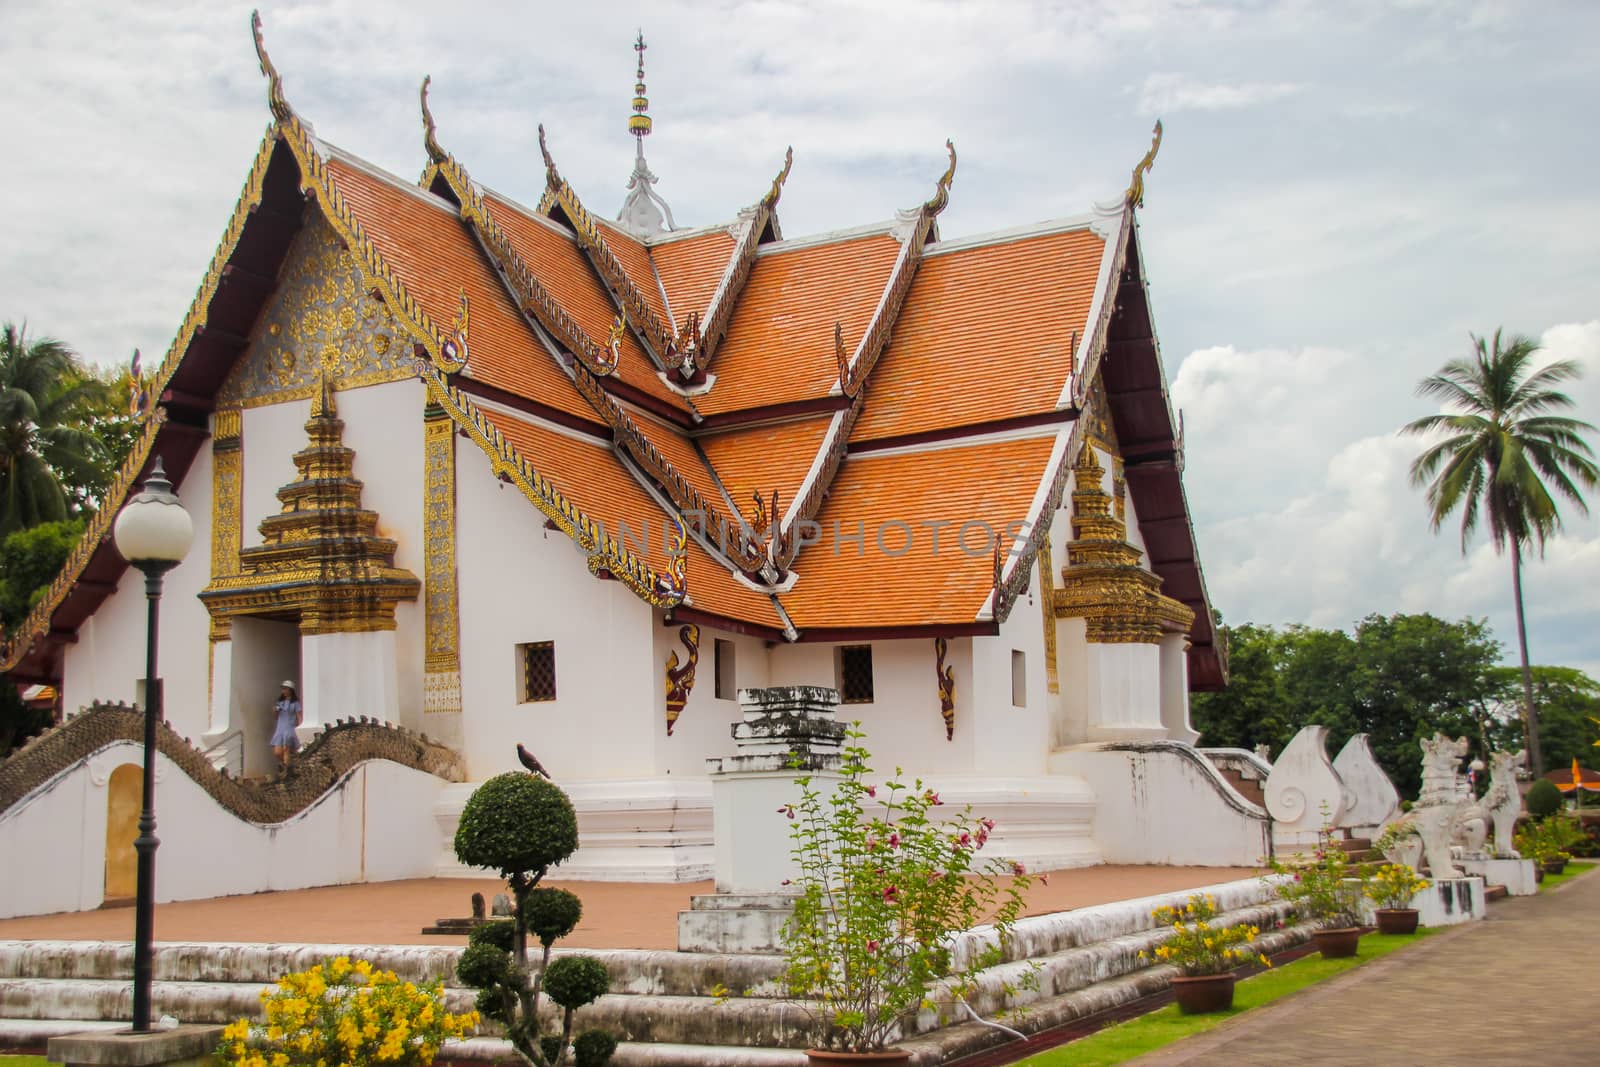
(516,823)
(497,932)
(550,1045)
(552,914)
(1543,799)
(594,1048)
(484,966)
(573,981)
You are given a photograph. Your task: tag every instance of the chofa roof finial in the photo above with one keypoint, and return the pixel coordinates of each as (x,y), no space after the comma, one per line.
(1135,194)
(430,139)
(941,192)
(275,98)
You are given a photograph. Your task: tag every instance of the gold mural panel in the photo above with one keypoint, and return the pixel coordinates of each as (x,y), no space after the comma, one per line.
(321,321)
(227,487)
(441,691)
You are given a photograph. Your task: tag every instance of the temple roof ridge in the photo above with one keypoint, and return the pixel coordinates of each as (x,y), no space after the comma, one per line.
(373,170)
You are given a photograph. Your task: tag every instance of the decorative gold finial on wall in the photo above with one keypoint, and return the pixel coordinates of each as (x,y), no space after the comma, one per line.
(275,98)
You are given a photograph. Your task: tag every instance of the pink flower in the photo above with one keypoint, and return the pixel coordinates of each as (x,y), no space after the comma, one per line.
(872,946)
(787,810)
(983,837)
(932,798)
(890,895)
(1044,879)
(965,838)
(934,876)
(988,824)
(784,882)
(872,844)
(1018,867)
(872,790)
(894,839)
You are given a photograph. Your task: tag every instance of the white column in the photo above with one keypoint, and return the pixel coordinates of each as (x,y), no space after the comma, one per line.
(1175,689)
(1124,692)
(347,675)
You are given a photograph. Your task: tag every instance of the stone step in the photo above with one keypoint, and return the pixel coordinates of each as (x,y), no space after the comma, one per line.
(1495,892)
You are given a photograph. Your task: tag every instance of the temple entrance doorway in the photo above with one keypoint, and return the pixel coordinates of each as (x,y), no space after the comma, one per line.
(265,653)
(124,798)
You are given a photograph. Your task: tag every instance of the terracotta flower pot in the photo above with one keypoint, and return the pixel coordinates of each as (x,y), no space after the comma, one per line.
(1338,944)
(819,1057)
(1538,874)
(1397,920)
(1203,993)
(1554,866)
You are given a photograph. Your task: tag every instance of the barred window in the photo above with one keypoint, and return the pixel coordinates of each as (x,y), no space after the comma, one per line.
(537,666)
(727,686)
(855,674)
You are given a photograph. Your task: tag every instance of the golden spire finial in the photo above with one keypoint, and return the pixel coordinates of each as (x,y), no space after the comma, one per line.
(771,199)
(1135,194)
(429,131)
(639,121)
(275,98)
(552,175)
(941,193)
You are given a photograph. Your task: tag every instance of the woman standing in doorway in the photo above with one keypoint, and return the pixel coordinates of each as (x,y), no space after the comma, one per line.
(284,740)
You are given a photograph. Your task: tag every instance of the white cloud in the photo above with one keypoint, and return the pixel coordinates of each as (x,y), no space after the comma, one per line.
(1170,93)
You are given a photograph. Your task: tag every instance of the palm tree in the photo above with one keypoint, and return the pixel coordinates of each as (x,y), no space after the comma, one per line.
(42,387)
(1504,453)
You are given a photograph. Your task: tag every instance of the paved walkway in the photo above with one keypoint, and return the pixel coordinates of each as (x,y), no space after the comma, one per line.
(615,914)
(1516,989)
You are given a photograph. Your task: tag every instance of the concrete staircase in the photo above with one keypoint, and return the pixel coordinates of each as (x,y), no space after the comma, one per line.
(672,1009)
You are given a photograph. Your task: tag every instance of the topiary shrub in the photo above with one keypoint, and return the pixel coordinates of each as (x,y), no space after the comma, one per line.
(522,825)
(1543,799)
(552,914)
(594,1048)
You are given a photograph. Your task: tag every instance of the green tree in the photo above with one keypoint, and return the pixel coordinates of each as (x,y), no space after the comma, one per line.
(42,442)
(29,561)
(1568,702)
(1503,450)
(102,410)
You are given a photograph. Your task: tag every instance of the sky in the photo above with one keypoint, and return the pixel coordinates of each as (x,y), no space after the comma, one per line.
(1343,193)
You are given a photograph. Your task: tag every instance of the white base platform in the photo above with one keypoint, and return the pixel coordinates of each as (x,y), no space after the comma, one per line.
(1447,902)
(1517,875)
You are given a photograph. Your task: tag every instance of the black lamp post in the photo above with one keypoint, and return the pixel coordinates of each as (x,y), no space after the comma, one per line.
(153,533)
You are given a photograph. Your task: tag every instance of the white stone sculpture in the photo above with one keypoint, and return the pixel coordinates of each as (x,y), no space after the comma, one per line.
(1374,795)
(1503,802)
(1303,793)
(1438,812)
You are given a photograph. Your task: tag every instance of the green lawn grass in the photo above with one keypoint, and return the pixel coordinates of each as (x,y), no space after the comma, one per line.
(24,1061)
(1574,868)
(1135,1037)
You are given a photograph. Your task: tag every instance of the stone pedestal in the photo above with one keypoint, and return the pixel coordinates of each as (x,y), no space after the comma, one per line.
(1449,901)
(181,1046)
(1517,875)
(786,732)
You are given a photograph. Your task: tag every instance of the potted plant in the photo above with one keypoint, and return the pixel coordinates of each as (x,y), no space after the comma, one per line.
(883,884)
(1392,888)
(1325,888)
(1206,954)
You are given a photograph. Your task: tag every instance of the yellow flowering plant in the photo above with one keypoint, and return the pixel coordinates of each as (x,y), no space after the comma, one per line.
(1393,885)
(348,1013)
(1197,946)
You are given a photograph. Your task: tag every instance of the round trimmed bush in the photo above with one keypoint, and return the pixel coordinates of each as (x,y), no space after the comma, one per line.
(499,933)
(552,914)
(550,1045)
(593,1048)
(515,823)
(573,981)
(1543,799)
(484,966)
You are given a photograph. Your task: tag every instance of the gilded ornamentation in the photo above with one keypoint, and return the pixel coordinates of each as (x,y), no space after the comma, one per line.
(848,385)
(680,677)
(320,322)
(599,252)
(1103,581)
(227,483)
(947,687)
(1135,194)
(771,199)
(275,98)
(441,683)
(430,139)
(941,192)
(138,389)
(1047,601)
(453,352)
(320,557)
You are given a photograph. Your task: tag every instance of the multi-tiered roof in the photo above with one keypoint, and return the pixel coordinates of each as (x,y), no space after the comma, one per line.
(745,391)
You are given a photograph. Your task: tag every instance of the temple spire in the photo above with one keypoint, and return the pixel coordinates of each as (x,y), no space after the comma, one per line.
(643,212)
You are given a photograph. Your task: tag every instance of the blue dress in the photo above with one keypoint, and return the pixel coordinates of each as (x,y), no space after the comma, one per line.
(283,736)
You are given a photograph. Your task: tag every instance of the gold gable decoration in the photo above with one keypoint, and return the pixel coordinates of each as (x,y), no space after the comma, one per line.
(320,560)
(1103,581)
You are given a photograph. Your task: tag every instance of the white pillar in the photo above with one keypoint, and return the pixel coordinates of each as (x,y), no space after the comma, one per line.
(1124,690)
(346,676)
(1175,689)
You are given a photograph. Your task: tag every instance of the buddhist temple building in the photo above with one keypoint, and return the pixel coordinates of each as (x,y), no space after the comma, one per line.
(501,472)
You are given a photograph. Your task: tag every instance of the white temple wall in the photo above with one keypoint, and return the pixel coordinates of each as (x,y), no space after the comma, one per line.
(1070,724)
(521,583)
(1007,739)
(703,728)
(902,722)
(107,663)
(375,825)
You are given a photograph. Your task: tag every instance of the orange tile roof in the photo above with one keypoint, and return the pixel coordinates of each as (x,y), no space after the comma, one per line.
(591,477)
(562,268)
(764,458)
(691,268)
(779,346)
(635,260)
(839,585)
(434,256)
(955,360)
